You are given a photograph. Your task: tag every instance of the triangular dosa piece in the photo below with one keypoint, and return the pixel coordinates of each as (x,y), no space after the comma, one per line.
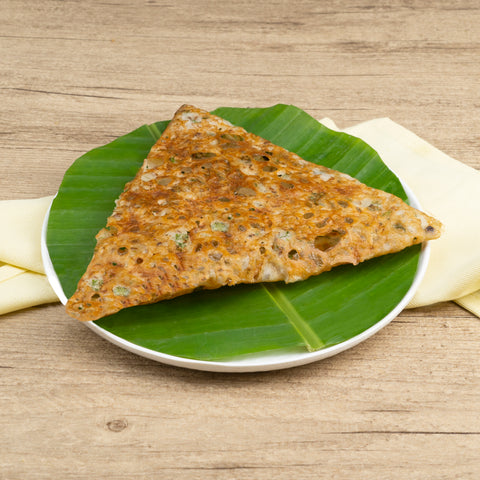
(214,205)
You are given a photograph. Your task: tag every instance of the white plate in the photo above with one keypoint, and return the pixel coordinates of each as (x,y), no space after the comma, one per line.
(257,362)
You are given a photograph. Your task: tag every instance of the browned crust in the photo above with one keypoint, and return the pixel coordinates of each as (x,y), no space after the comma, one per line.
(214,205)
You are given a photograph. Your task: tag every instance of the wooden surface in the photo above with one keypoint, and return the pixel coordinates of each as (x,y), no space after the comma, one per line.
(74,75)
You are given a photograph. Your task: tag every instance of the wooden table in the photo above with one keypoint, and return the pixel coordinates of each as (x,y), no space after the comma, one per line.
(74,75)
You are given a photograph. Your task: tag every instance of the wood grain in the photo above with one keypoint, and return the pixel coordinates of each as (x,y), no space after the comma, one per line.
(75,75)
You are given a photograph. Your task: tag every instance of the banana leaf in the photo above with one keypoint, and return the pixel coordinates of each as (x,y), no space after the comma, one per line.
(234,322)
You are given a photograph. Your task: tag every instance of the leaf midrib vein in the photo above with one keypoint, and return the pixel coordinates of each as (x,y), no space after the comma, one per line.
(311,339)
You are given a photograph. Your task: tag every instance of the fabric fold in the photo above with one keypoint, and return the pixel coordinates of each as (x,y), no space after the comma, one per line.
(24,290)
(23,283)
(20,235)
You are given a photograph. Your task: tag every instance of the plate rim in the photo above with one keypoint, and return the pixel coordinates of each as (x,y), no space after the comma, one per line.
(250,363)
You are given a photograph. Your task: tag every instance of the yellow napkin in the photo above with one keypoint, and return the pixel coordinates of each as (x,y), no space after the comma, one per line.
(22,280)
(447,189)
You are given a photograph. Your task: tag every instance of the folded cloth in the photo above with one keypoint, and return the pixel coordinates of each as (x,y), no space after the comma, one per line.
(446,189)
(21,232)
(21,288)
(22,280)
